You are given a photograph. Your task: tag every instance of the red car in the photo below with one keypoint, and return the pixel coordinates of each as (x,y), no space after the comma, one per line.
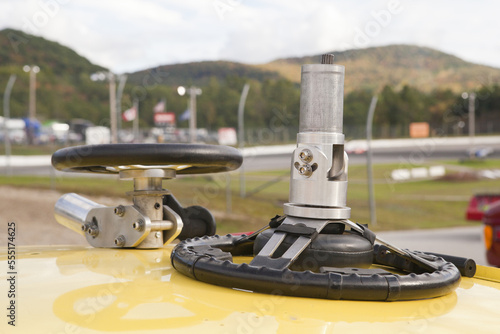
(479,204)
(491,222)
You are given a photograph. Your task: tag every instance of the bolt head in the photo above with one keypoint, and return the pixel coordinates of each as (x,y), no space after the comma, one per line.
(306,155)
(138,225)
(158,234)
(305,170)
(93,231)
(120,241)
(119,210)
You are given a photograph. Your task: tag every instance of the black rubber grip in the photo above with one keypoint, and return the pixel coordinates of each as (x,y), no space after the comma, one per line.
(217,268)
(197,158)
(466,266)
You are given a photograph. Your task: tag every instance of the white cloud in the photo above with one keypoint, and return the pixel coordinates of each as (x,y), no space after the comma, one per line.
(263,34)
(129,35)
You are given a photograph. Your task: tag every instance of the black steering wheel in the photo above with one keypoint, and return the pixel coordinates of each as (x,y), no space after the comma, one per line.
(111,158)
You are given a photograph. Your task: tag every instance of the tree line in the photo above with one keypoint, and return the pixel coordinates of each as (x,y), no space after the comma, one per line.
(272,103)
(275,103)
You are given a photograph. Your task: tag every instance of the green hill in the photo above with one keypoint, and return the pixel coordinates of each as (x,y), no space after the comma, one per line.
(200,73)
(64,88)
(18,48)
(366,69)
(397,65)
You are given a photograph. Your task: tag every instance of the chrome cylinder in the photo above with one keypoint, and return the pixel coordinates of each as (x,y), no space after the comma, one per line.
(321,98)
(71,210)
(318,177)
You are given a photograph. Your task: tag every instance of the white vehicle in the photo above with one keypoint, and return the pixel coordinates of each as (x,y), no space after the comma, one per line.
(16,128)
(97,135)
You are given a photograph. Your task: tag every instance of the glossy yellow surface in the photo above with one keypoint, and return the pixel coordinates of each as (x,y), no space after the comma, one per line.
(87,290)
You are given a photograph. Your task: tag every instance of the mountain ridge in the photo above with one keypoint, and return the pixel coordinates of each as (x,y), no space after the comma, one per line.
(399,64)
(421,67)
(369,69)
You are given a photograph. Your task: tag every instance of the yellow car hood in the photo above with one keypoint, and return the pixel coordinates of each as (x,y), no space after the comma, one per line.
(88,290)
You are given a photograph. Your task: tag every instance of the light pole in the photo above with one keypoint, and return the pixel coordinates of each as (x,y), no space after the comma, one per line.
(241,135)
(369,159)
(6,115)
(33,70)
(111,77)
(472,112)
(135,124)
(122,80)
(192,91)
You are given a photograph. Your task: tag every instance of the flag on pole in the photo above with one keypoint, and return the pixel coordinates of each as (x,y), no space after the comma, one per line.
(129,114)
(159,107)
(185,115)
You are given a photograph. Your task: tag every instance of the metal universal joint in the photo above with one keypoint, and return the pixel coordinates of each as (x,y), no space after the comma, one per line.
(148,199)
(318,178)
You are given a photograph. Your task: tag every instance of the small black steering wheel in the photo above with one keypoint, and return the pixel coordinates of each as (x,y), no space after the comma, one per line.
(111,158)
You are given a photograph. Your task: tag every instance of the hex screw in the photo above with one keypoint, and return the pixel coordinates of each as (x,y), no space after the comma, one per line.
(120,210)
(120,241)
(138,225)
(305,170)
(157,206)
(306,155)
(85,227)
(93,230)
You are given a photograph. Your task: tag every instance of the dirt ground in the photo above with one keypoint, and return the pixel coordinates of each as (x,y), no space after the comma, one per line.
(33,212)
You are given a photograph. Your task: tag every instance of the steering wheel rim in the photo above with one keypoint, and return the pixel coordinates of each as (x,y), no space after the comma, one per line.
(184,158)
(210,259)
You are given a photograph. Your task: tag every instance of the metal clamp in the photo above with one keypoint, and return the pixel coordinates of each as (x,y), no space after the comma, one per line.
(265,259)
(145,224)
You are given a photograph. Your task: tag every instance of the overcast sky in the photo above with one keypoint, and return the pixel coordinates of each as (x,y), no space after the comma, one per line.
(129,35)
